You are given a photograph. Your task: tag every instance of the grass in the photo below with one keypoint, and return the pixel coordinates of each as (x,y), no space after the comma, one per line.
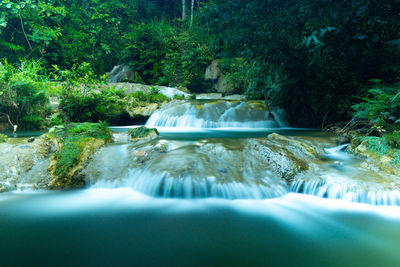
(75,137)
(3,138)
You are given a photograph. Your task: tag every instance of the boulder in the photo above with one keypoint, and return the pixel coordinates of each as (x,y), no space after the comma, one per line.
(123,73)
(214,74)
(19,158)
(72,177)
(169,92)
(144,111)
(143,133)
(76,144)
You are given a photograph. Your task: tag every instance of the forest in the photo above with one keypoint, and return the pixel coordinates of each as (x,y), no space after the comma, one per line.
(325,62)
(200,133)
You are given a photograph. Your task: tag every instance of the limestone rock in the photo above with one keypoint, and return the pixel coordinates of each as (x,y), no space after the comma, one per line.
(72,177)
(220,83)
(169,92)
(123,73)
(144,111)
(143,133)
(19,158)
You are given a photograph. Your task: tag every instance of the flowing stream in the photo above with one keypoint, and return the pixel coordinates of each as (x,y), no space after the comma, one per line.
(215,188)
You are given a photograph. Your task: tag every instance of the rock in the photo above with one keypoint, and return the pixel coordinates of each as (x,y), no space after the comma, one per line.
(123,73)
(18,158)
(169,92)
(217,96)
(296,145)
(343,139)
(77,143)
(31,139)
(214,74)
(212,71)
(143,133)
(378,154)
(144,111)
(71,177)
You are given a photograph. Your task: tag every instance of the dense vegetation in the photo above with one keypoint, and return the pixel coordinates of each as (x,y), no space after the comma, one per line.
(324,61)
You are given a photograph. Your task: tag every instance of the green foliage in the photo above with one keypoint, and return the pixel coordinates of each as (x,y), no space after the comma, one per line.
(141,132)
(179,97)
(326,51)
(23,93)
(74,138)
(393,139)
(95,130)
(27,27)
(3,138)
(377,145)
(148,98)
(381,107)
(85,98)
(166,55)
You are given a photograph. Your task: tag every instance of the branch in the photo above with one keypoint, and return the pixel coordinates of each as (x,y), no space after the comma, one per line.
(8,117)
(23,29)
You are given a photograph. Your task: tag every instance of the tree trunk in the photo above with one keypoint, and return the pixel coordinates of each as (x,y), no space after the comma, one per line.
(191,13)
(183,9)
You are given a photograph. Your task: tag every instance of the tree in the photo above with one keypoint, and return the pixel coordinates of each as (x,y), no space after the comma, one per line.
(183,9)
(191,13)
(28,27)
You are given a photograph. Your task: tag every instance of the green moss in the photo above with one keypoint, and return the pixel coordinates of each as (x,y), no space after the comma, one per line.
(377,145)
(258,105)
(393,139)
(95,130)
(76,143)
(67,157)
(143,98)
(3,138)
(141,132)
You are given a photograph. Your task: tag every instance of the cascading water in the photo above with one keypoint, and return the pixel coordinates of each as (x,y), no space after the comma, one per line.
(236,168)
(218,114)
(187,169)
(261,200)
(349,178)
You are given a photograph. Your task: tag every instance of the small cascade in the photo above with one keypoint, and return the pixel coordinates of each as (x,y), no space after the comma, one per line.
(347,191)
(186,169)
(217,114)
(165,185)
(348,178)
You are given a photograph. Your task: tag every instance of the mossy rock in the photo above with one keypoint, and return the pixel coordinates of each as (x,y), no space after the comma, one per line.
(257,105)
(66,164)
(143,133)
(76,144)
(378,153)
(302,145)
(284,162)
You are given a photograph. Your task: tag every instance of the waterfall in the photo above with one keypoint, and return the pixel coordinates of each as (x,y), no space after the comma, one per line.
(349,178)
(217,114)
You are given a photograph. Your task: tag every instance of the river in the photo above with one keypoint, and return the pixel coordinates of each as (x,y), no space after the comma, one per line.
(118,222)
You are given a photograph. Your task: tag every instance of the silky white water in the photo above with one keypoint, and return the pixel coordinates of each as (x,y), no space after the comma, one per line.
(103,227)
(208,197)
(217,114)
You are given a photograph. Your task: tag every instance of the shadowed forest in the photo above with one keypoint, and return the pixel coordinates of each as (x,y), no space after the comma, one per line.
(322,61)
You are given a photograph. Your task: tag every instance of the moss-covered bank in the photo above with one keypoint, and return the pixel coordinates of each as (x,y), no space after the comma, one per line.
(76,143)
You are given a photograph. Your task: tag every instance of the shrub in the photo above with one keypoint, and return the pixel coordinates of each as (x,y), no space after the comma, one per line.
(381,107)
(3,138)
(84,96)
(23,93)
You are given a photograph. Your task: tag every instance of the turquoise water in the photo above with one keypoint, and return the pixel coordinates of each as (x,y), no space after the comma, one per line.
(120,227)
